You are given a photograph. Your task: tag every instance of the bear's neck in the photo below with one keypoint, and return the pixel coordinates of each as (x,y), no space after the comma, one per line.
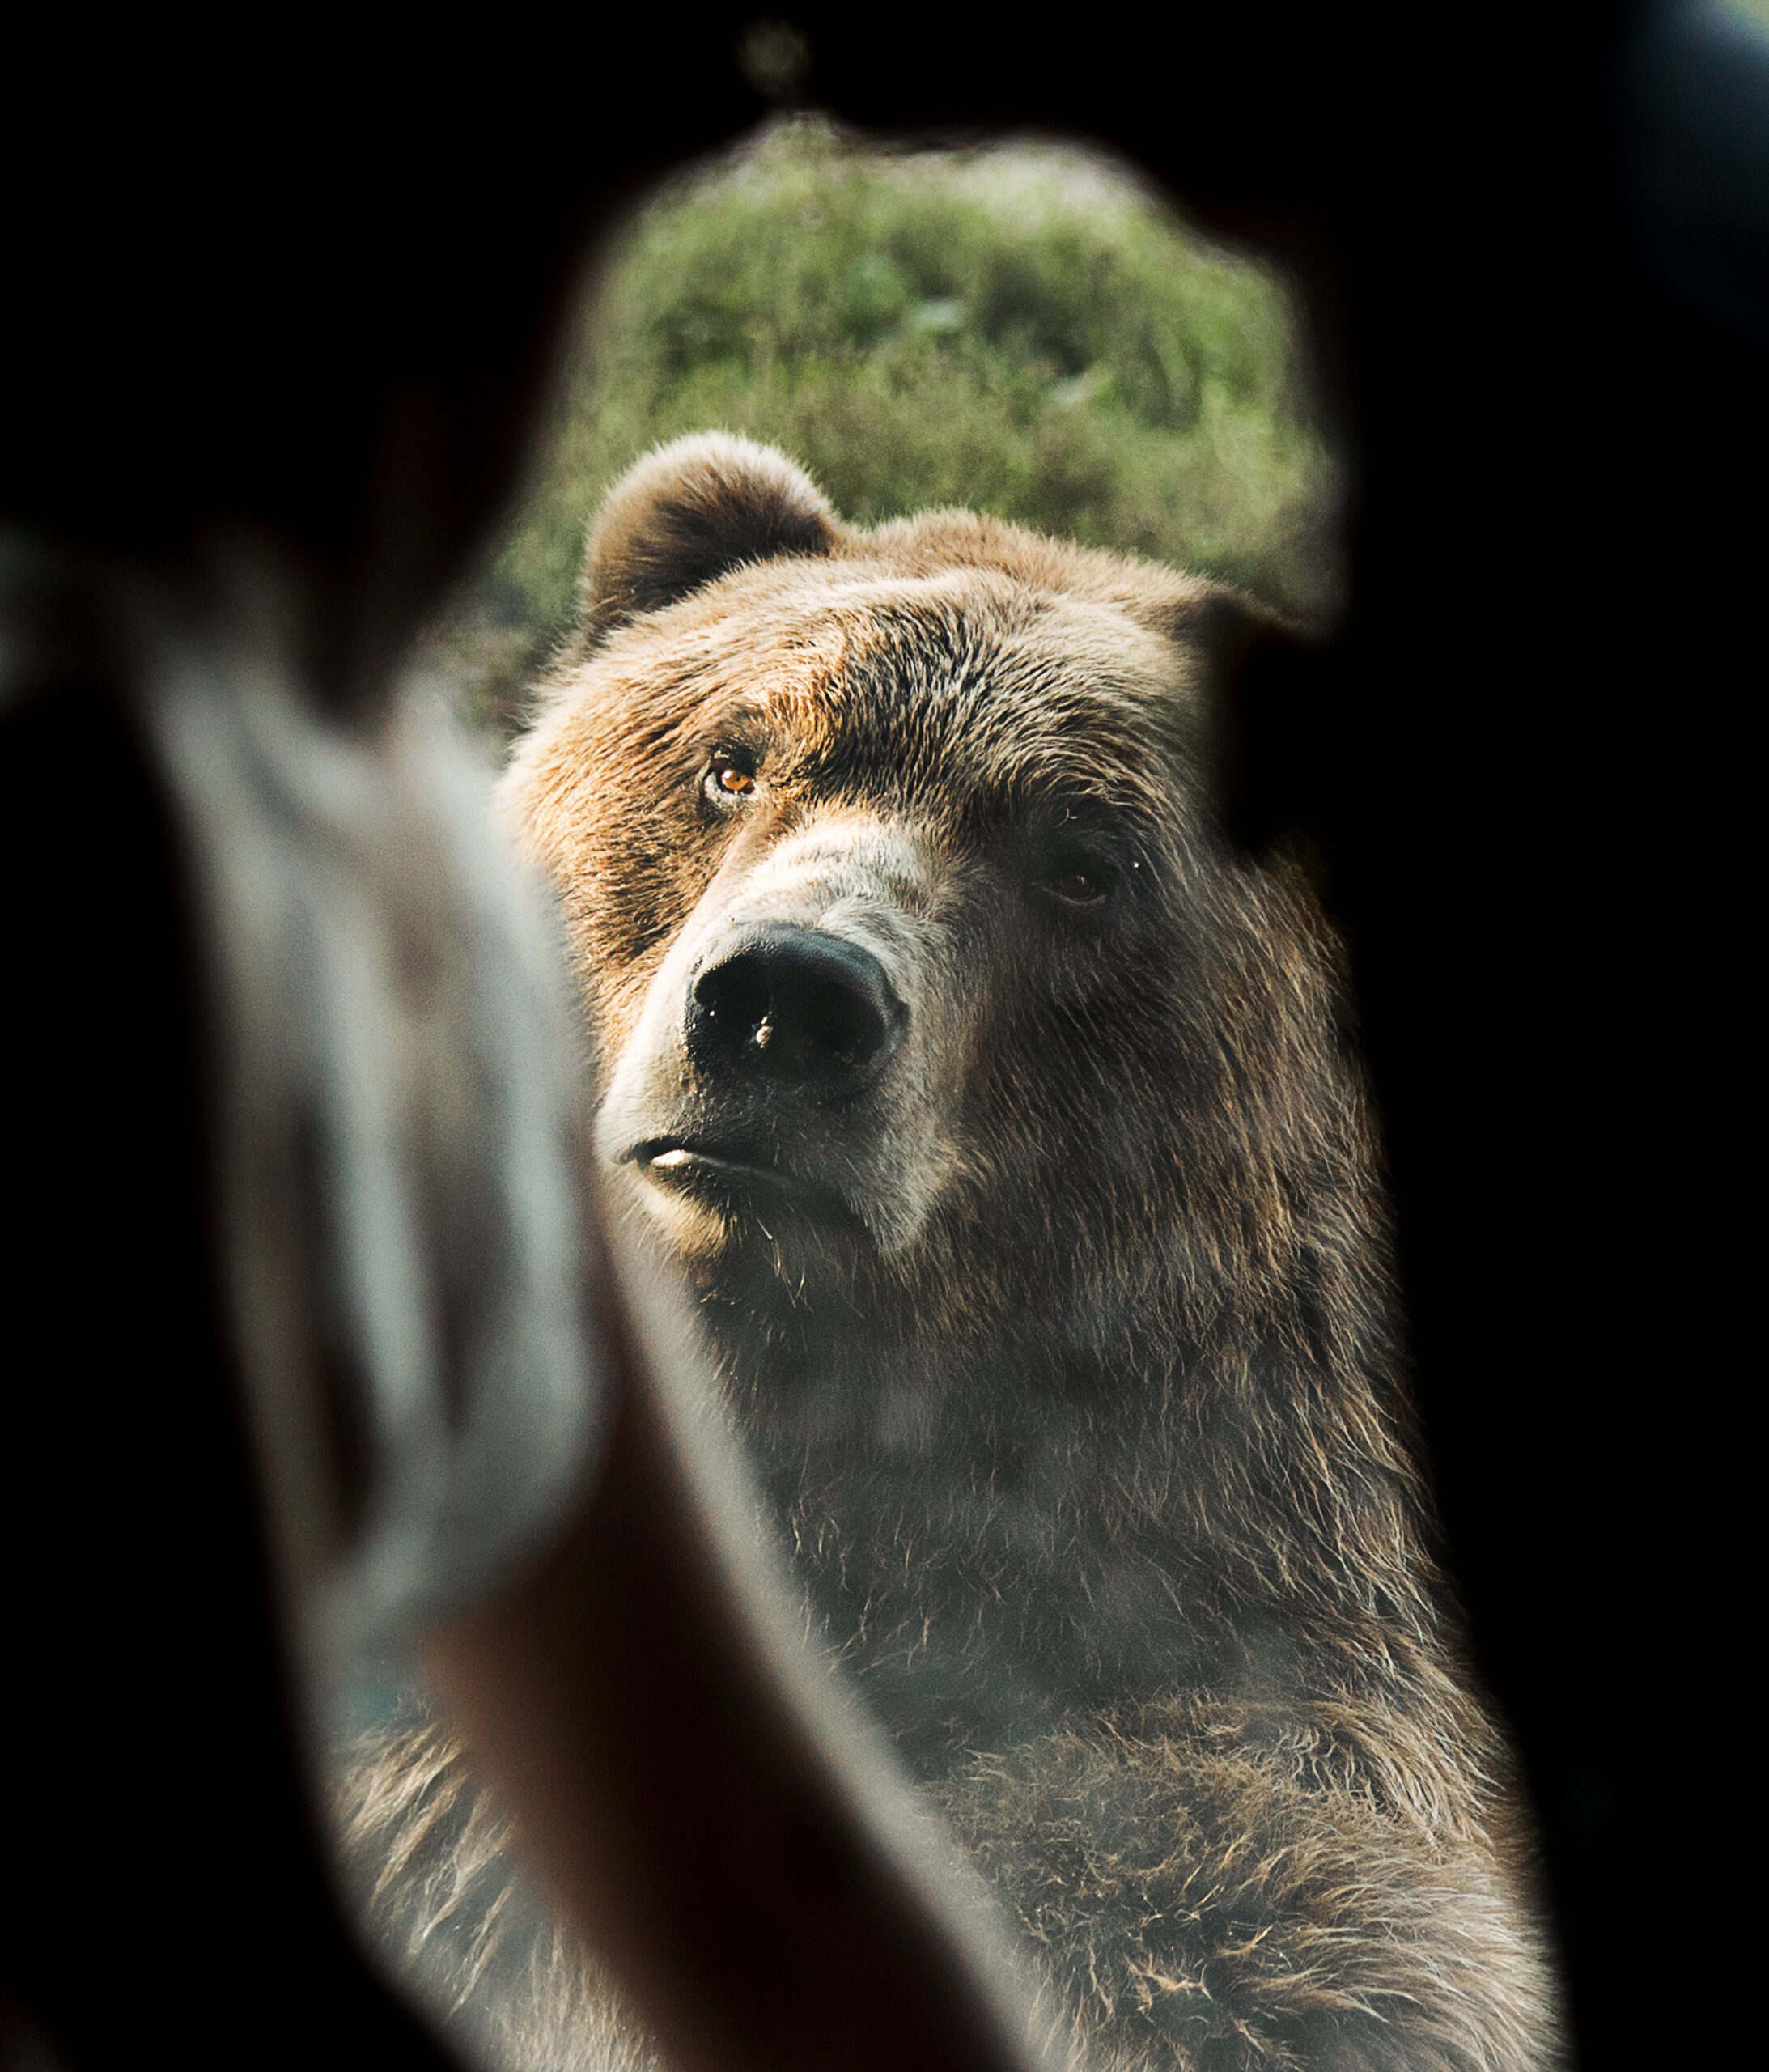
(1089,1506)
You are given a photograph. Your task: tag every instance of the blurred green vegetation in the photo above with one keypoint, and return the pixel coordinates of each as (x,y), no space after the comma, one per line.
(1024,329)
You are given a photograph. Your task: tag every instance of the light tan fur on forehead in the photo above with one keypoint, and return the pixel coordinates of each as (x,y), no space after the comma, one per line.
(762,606)
(785,627)
(1161,599)
(973,683)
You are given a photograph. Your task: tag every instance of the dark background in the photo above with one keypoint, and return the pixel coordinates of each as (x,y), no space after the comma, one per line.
(298,272)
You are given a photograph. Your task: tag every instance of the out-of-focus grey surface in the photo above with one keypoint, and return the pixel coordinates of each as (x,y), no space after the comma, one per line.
(395,1082)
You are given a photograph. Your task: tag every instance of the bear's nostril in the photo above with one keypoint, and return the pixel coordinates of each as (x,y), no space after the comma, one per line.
(797,1007)
(736,996)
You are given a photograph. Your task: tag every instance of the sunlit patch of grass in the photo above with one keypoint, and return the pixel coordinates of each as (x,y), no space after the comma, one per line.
(1025,330)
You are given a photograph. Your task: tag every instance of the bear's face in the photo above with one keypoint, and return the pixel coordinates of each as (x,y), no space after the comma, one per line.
(925,994)
(915,843)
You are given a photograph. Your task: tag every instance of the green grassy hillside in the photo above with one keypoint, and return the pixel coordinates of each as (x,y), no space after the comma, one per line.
(1022,330)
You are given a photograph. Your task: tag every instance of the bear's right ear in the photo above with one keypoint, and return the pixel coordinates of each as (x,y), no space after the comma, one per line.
(689,513)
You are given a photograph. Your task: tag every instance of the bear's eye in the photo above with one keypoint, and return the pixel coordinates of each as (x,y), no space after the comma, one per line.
(730,776)
(1078,888)
(1079,882)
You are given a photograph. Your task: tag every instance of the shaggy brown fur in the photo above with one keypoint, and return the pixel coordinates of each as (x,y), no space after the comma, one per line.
(1044,1260)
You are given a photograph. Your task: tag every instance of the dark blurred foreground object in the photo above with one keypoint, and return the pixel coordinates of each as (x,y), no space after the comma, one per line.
(1530,248)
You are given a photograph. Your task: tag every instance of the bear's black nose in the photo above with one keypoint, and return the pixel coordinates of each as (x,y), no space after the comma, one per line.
(797,1007)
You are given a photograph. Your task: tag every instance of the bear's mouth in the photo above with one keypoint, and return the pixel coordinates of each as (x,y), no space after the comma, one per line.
(734,1181)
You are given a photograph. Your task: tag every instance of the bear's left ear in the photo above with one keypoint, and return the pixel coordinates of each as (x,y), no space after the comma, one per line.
(689,513)
(1271,743)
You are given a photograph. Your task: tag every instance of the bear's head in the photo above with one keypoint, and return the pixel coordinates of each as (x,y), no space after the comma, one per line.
(941,1029)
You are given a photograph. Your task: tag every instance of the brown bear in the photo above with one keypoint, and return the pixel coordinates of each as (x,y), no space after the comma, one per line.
(1006,1120)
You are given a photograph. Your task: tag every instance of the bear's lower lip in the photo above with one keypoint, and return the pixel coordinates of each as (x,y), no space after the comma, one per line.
(729,1178)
